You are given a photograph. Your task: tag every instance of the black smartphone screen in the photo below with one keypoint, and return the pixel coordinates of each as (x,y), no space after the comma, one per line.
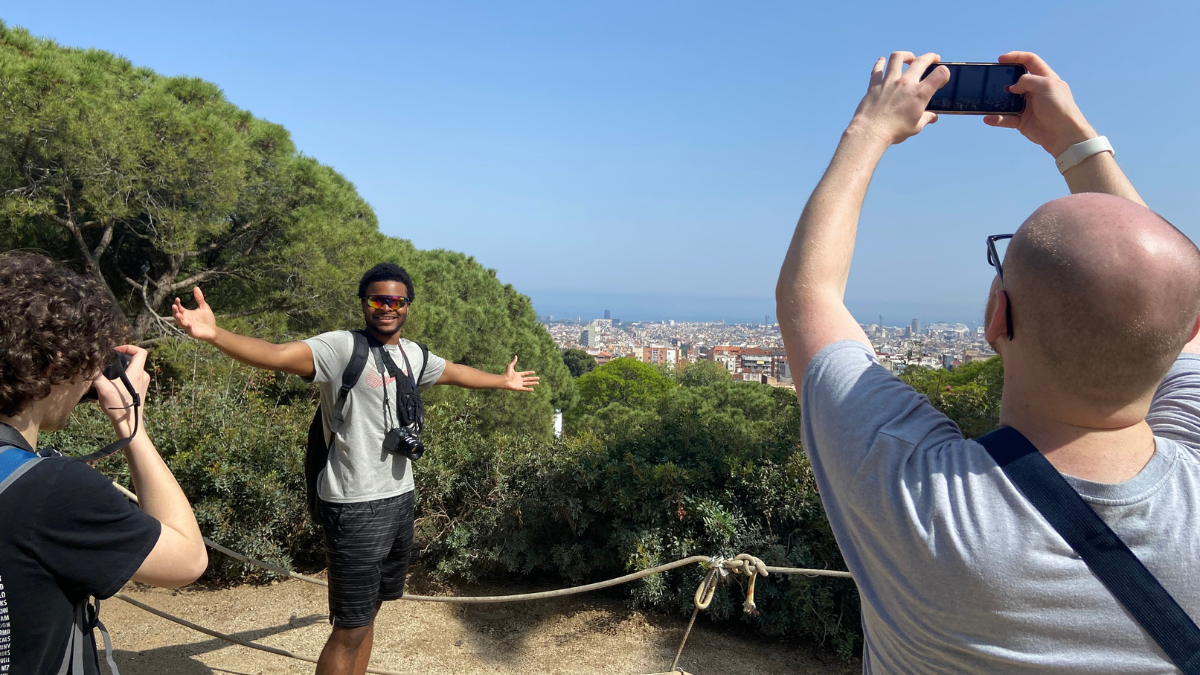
(978,89)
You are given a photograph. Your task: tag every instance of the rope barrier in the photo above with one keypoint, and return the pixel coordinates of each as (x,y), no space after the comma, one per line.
(232,639)
(717,568)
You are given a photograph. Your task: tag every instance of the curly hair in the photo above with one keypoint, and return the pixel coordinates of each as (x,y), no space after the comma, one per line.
(386,272)
(56,326)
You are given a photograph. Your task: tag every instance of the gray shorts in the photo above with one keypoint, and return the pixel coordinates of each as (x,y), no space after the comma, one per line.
(367,547)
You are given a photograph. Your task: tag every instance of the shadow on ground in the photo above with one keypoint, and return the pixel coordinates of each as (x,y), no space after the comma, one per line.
(177,659)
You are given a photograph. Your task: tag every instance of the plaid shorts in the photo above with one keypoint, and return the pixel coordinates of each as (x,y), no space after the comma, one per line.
(367,547)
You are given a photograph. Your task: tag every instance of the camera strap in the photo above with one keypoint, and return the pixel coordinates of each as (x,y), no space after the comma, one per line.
(113,372)
(408,402)
(1125,576)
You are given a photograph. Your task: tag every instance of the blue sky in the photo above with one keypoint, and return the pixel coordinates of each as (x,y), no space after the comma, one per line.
(652,157)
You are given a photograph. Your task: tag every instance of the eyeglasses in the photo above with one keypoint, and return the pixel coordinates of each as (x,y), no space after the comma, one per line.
(387,301)
(995,259)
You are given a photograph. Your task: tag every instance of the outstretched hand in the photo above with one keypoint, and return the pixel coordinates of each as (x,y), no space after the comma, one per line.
(1051,118)
(200,323)
(894,107)
(519,381)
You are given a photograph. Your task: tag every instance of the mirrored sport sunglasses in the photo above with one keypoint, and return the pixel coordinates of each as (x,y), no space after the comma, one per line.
(388,301)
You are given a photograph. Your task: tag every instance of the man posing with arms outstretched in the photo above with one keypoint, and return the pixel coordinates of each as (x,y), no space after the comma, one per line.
(1095,298)
(366,491)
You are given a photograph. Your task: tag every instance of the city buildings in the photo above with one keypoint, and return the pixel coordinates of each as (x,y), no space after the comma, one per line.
(753,352)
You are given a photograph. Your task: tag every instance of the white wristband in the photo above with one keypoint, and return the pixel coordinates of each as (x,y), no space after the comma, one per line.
(1081,151)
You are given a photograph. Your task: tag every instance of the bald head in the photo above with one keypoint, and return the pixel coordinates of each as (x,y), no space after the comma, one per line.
(1106,291)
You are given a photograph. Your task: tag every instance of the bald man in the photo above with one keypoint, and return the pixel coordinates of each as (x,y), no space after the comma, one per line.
(1090,309)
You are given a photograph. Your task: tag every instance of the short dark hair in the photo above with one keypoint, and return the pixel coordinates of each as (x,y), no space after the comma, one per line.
(56,326)
(386,272)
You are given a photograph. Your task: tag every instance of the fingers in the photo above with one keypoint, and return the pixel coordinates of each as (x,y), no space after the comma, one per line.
(926,118)
(1028,84)
(922,63)
(139,356)
(199,295)
(527,373)
(1002,121)
(877,72)
(1032,62)
(895,66)
(937,79)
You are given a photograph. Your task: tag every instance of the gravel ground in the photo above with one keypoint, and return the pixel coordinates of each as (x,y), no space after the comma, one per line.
(584,634)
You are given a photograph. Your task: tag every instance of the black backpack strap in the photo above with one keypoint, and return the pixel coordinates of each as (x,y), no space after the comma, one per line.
(10,436)
(354,369)
(424,362)
(1105,554)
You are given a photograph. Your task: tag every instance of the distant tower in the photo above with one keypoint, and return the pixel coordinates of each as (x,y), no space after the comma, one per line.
(881,321)
(766,319)
(916,326)
(607,314)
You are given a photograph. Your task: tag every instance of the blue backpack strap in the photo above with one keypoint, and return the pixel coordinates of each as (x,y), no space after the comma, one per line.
(14,462)
(15,453)
(1101,549)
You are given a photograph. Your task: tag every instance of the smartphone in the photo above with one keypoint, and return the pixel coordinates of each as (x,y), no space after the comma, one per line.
(978,89)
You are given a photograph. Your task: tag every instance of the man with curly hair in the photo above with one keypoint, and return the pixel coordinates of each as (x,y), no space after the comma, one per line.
(67,535)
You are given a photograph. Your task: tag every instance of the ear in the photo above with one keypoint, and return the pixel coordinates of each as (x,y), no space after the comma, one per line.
(1195,330)
(996,323)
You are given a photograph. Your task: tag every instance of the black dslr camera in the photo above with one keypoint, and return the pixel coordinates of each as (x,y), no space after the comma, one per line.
(114,371)
(404,441)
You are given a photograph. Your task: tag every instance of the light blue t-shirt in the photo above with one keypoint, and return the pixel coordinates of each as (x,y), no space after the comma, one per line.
(957,571)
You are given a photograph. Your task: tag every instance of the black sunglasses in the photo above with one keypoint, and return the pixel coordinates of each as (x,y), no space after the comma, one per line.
(994,260)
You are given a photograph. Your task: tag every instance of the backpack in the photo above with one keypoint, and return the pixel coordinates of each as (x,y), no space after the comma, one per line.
(316,457)
(16,459)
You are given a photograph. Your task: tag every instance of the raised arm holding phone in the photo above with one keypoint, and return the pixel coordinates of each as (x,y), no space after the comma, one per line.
(1090,308)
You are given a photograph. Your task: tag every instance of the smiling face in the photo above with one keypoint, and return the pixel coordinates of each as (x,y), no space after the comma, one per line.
(385,322)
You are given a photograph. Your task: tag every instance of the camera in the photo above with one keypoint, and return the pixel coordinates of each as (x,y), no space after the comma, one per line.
(404,441)
(113,371)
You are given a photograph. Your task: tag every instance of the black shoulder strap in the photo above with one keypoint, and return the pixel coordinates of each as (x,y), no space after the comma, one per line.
(354,369)
(10,436)
(1103,551)
(424,362)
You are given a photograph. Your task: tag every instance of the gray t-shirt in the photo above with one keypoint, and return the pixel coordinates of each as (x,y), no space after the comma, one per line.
(359,469)
(957,572)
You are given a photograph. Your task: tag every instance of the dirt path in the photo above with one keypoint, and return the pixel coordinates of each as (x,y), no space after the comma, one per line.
(586,634)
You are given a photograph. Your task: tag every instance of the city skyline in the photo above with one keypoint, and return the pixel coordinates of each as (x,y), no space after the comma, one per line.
(653,307)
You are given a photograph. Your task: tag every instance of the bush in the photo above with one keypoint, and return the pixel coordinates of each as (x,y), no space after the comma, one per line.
(969,395)
(712,470)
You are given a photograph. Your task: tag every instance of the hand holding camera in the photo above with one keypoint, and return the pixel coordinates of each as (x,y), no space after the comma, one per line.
(124,407)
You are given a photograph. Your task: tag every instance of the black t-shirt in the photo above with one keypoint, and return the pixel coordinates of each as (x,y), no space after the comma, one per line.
(65,534)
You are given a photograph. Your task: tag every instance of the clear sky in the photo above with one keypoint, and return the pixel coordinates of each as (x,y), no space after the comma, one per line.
(652,157)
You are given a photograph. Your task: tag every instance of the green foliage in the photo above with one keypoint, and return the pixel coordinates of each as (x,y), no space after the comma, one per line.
(154,184)
(622,381)
(714,470)
(702,374)
(969,395)
(578,362)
